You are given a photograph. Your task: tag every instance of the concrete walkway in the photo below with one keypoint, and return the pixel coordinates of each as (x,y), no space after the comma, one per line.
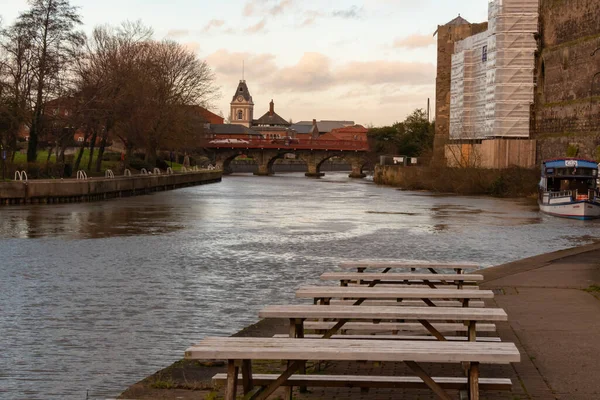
(553,320)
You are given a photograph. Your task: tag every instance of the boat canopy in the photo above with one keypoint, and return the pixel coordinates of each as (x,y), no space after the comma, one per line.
(570,163)
(569,168)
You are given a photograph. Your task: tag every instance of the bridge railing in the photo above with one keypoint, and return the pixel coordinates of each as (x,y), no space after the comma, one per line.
(292,144)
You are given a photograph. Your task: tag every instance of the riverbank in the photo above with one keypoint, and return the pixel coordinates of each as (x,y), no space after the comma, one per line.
(511,182)
(553,303)
(54,191)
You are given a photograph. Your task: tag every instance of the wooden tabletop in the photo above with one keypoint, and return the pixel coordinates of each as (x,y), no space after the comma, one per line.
(370,276)
(389,292)
(384,313)
(234,348)
(407,264)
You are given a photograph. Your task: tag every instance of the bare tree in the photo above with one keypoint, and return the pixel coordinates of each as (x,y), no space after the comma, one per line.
(16,79)
(50,28)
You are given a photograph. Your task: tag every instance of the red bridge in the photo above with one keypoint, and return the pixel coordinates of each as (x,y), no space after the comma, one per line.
(313,152)
(291,144)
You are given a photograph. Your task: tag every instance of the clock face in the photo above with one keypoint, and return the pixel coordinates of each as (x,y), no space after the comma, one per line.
(240,98)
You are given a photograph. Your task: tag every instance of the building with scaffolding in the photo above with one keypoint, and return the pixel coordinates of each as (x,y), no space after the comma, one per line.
(492,89)
(522,88)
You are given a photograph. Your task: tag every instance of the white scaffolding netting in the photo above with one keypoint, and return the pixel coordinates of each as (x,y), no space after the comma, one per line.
(492,74)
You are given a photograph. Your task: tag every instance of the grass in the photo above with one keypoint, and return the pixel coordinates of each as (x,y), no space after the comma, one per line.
(42,157)
(164,384)
(594,289)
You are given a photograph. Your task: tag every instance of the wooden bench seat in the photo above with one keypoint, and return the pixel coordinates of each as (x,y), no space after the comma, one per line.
(409,303)
(394,337)
(396,327)
(242,350)
(390,293)
(380,382)
(409,279)
(434,267)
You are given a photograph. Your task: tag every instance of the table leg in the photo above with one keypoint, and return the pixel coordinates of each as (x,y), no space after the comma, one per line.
(265,392)
(472,331)
(300,335)
(232,380)
(429,302)
(247,376)
(474,381)
(432,330)
(437,389)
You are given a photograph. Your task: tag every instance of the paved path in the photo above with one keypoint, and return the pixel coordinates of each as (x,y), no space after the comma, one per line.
(552,319)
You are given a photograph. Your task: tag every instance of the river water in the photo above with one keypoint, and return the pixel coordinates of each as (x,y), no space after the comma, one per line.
(94,297)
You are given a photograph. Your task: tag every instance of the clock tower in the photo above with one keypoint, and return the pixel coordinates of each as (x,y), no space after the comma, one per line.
(242,107)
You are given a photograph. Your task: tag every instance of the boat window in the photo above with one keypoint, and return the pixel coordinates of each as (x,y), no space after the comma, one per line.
(575,172)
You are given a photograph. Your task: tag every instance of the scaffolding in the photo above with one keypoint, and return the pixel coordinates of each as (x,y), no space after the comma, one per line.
(492,83)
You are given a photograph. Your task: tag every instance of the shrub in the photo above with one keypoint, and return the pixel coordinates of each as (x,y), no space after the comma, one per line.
(137,163)
(111,157)
(162,164)
(572,150)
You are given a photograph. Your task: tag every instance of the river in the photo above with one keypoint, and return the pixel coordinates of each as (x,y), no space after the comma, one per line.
(94,297)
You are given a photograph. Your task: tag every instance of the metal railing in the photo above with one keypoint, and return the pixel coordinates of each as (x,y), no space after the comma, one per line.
(292,144)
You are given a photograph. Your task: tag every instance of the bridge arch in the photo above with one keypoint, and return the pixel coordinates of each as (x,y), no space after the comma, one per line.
(223,160)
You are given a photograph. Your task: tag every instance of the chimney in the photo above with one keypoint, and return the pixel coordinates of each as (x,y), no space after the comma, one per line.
(314,122)
(271,108)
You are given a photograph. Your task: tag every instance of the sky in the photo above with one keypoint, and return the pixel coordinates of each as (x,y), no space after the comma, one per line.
(369,61)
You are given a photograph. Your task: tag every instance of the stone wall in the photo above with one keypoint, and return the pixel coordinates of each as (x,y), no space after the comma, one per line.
(587,146)
(567,107)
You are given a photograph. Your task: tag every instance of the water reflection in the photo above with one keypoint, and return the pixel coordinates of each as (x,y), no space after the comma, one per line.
(90,221)
(96,296)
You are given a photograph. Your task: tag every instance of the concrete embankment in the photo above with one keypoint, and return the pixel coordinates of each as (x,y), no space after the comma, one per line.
(75,190)
(553,304)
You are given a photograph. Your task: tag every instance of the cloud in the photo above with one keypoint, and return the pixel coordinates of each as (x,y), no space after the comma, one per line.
(281,7)
(177,33)
(316,72)
(248,9)
(258,27)
(262,7)
(228,65)
(353,12)
(213,23)
(192,46)
(311,73)
(311,16)
(414,41)
(381,72)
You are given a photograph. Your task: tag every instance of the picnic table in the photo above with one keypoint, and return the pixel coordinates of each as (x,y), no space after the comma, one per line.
(432,280)
(240,352)
(297,314)
(433,267)
(324,294)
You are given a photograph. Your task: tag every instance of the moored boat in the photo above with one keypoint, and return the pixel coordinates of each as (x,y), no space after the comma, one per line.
(569,189)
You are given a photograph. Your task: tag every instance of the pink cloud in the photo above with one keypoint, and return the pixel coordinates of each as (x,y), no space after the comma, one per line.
(213,24)
(415,41)
(258,27)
